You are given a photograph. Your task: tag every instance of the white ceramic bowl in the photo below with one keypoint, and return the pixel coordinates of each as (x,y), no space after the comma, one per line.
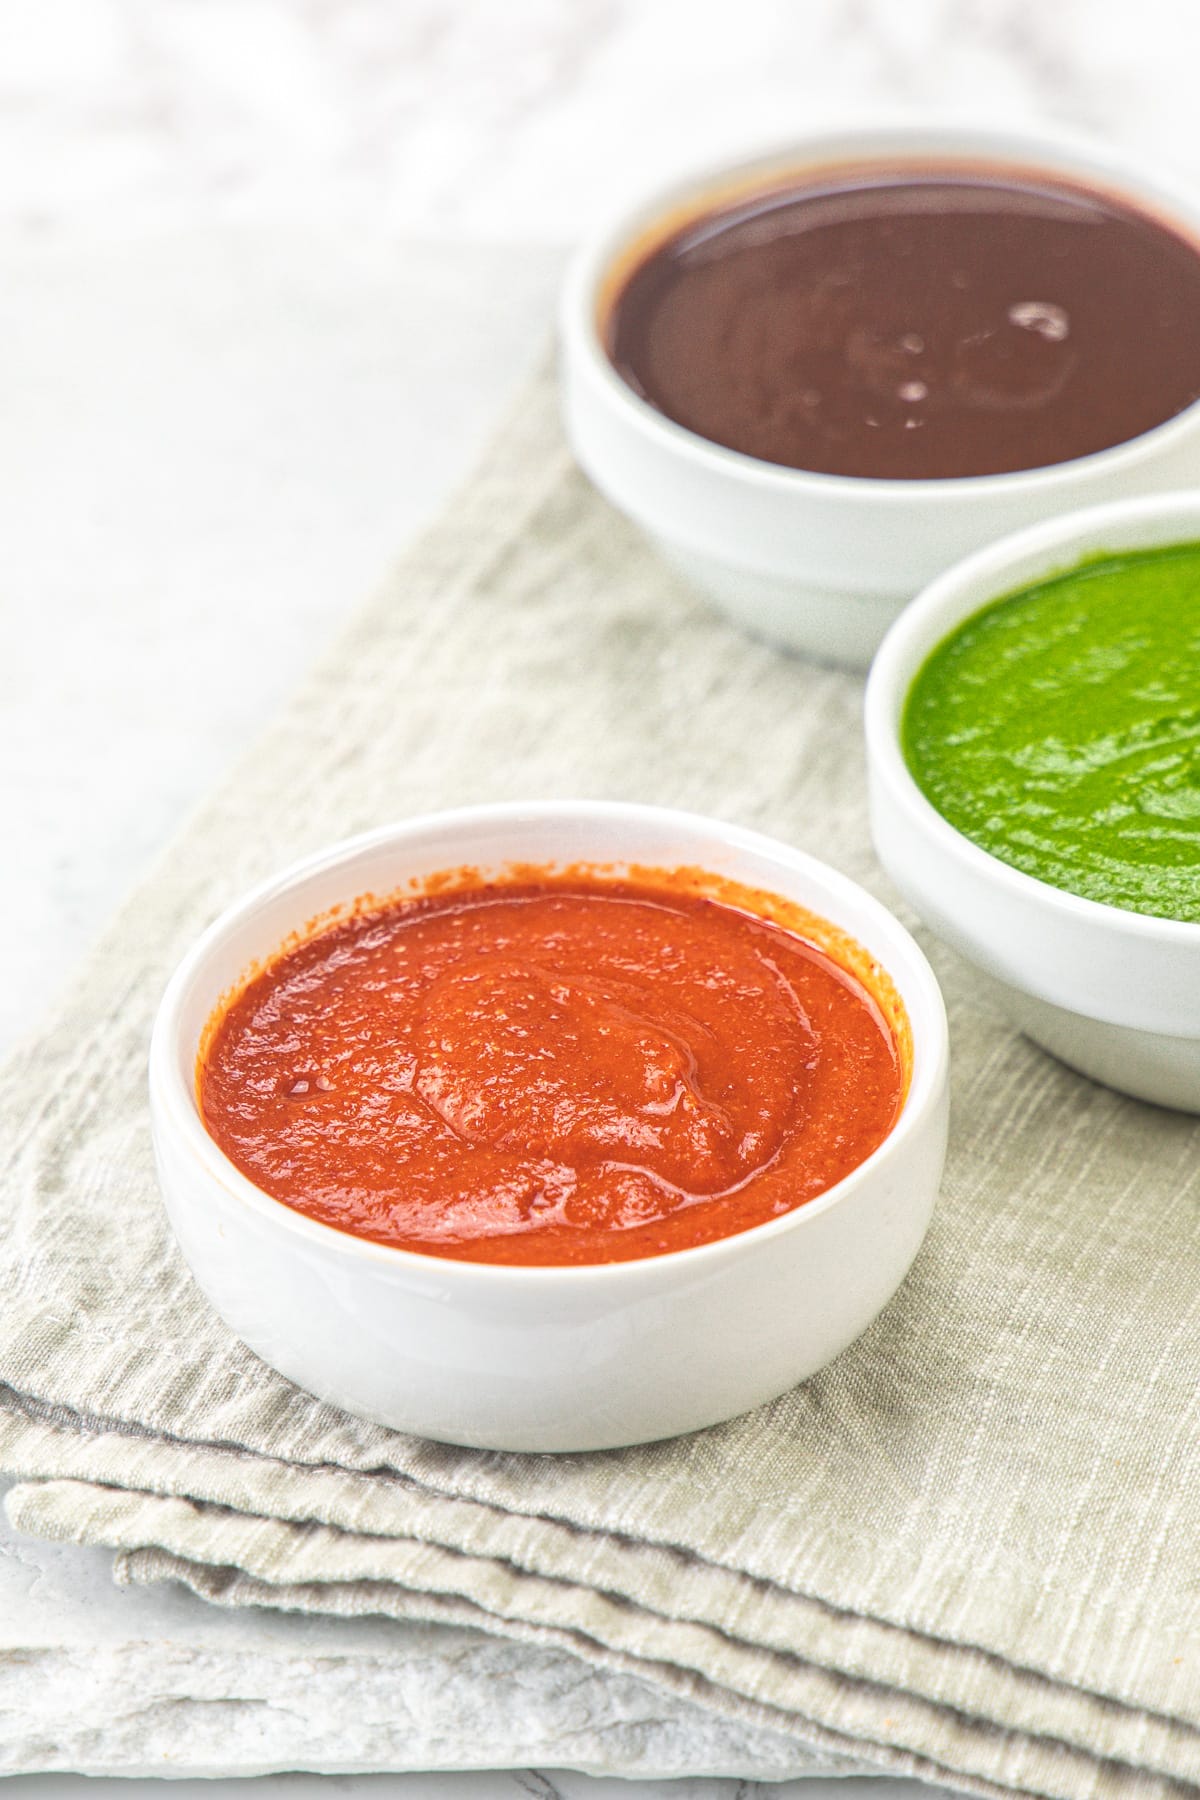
(528,1358)
(823,563)
(1115,994)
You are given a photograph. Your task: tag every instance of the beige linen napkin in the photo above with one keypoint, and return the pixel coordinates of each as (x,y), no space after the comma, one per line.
(967,1550)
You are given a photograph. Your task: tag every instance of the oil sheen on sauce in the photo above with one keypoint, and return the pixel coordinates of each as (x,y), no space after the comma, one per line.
(1059,729)
(551,1071)
(915,322)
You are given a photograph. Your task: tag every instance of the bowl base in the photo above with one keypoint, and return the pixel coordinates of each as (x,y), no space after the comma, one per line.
(1145,1064)
(828,624)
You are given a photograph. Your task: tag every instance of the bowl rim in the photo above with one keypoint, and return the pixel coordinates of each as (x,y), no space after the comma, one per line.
(173,1106)
(1056,151)
(937,611)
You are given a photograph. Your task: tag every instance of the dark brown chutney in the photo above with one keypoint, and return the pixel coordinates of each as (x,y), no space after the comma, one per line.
(912,321)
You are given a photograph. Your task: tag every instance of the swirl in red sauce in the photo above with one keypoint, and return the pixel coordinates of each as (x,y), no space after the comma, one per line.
(552,1071)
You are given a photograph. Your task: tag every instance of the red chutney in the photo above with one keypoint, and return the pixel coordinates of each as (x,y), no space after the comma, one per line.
(555,1070)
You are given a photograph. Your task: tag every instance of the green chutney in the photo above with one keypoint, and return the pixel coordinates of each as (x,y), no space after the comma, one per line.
(1059,729)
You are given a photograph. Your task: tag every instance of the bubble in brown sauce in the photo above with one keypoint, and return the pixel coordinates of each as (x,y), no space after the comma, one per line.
(914,323)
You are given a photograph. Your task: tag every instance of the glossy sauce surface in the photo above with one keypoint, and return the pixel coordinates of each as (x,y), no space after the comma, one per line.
(920,322)
(550,1073)
(1059,729)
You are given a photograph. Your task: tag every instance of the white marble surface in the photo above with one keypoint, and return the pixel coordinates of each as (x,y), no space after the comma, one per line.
(502,120)
(212,444)
(268,269)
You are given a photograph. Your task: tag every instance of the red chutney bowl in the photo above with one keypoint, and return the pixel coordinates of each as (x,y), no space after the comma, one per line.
(538,1356)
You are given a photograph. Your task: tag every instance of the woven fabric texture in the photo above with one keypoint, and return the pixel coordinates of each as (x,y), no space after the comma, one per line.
(967,1550)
